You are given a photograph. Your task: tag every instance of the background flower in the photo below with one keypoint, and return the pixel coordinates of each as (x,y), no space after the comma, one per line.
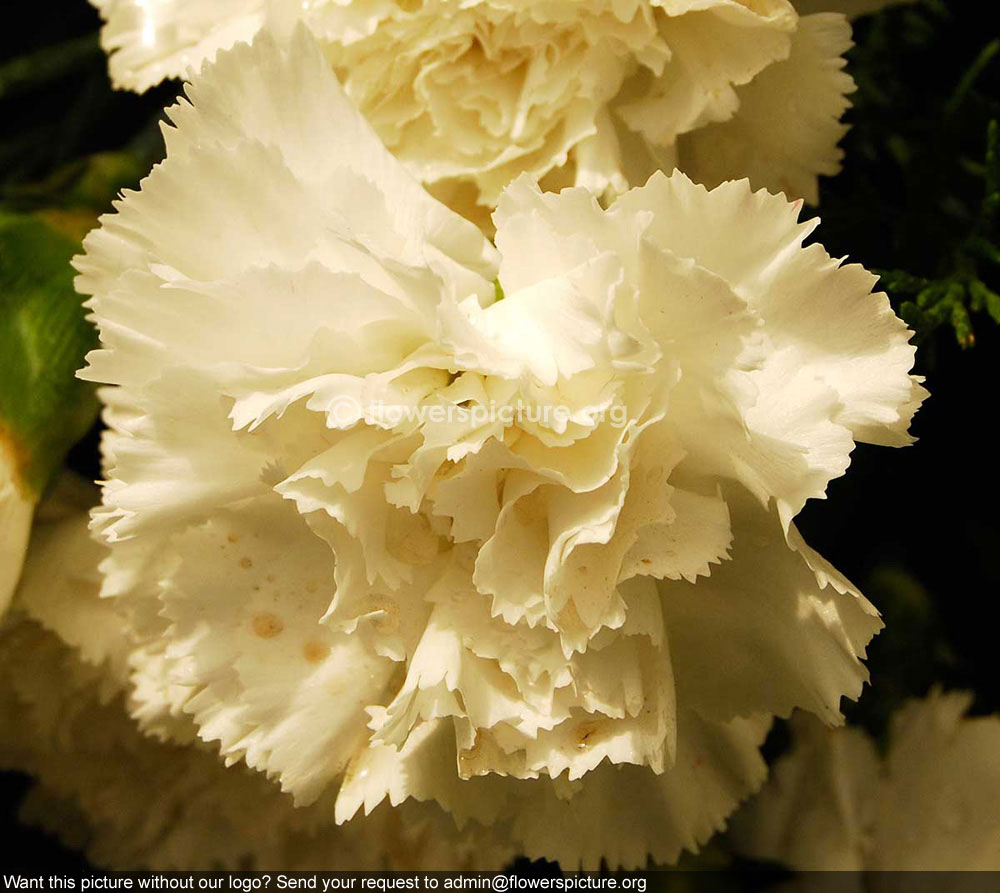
(15,522)
(930,804)
(469,95)
(530,621)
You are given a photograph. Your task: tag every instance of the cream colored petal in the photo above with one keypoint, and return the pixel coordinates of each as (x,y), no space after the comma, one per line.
(786,130)
(648,818)
(131,802)
(256,92)
(929,805)
(782,636)
(268,680)
(16,511)
(60,590)
(938,806)
(818,808)
(150,41)
(790,454)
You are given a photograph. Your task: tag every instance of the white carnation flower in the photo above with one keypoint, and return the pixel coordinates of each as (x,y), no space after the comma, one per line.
(932,804)
(400,515)
(130,801)
(470,94)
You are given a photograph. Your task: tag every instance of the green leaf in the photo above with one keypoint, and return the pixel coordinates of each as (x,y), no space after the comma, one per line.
(900,282)
(972,74)
(912,315)
(44,408)
(986,249)
(932,295)
(962,325)
(985,299)
(993,159)
(51,63)
(91,183)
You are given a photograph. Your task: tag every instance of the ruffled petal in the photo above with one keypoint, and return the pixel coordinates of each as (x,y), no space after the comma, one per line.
(818,808)
(148,43)
(938,805)
(783,635)
(786,131)
(930,805)
(268,680)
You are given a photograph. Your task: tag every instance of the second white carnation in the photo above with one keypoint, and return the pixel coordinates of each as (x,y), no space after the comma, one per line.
(468,95)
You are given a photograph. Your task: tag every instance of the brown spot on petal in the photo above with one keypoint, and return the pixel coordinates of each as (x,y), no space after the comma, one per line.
(585,732)
(315,652)
(246,563)
(233,538)
(267,626)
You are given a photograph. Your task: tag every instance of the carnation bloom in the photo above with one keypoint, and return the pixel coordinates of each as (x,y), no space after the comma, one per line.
(130,801)
(932,804)
(470,94)
(395,514)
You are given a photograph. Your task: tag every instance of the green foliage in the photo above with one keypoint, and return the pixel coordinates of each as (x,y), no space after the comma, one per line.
(916,201)
(28,72)
(88,184)
(952,298)
(71,146)
(44,408)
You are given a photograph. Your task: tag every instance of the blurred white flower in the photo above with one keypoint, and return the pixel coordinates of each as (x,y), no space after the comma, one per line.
(16,509)
(470,94)
(149,40)
(130,801)
(932,804)
(530,617)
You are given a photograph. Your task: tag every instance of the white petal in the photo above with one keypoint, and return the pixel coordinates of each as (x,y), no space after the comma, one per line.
(938,808)
(268,680)
(150,42)
(782,636)
(16,511)
(818,809)
(788,125)
(649,817)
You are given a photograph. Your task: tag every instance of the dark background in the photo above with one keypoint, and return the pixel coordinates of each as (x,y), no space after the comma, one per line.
(917,528)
